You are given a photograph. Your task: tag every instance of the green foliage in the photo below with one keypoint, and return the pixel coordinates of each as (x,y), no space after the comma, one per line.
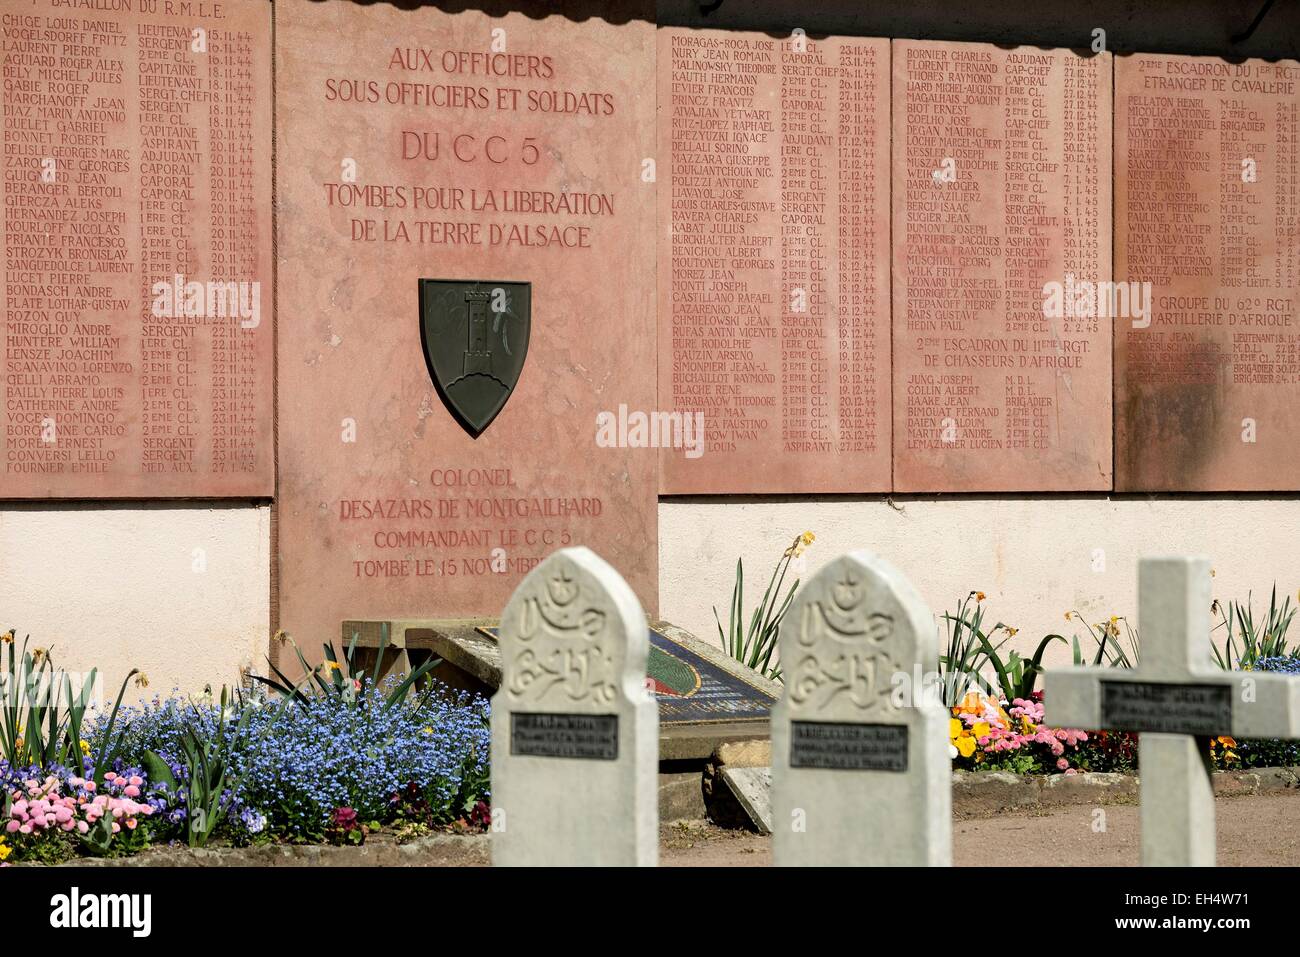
(1109,649)
(1265,639)
(753,646)
(208,754)
(346,678)
(41,717)
(971,650)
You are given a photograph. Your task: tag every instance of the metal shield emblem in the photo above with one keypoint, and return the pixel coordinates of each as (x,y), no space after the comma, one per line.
(475,337)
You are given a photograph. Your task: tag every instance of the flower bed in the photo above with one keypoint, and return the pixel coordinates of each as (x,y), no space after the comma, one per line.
(320,768)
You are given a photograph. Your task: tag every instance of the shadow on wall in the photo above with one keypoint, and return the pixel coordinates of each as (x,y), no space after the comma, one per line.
(1228,28)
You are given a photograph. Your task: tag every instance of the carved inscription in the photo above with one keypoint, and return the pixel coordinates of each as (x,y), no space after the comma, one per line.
(136,319)
(843,650)
(773,258)
(1001,198)
(562,650)
(1207,207)
(421,149)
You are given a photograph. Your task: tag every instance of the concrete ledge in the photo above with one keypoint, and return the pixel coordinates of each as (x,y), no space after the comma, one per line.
(434,850)
(986,793)
(974,795)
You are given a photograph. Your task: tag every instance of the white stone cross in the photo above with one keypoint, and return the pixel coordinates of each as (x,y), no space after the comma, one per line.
(575,730)
(860,766)
(1176,698)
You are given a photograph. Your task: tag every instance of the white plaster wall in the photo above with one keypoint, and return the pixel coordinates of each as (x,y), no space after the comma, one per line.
(1032,557)
(120,586)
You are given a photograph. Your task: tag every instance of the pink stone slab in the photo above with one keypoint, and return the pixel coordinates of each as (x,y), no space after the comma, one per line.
(1207,396)
(774,260)
(991,393)
(144,153)
(365,530)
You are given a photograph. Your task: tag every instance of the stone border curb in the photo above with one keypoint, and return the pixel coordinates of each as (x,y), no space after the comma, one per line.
(985,793)
(433,850)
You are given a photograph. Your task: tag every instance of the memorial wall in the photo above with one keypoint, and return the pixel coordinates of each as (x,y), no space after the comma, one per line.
(773,260)
(1207,210)
(135,206)
(1001,187)
(535,272)
(507,153)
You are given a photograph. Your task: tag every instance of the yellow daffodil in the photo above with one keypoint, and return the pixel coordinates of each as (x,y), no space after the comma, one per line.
(808,538)
(85,746)
(38,655)
(142,680)
(979,596)
(1068,615)
(7,638)
(1011,632)
(332,666)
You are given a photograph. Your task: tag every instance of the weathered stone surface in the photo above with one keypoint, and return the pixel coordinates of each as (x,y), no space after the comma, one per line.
(985,793)
(574,728)
(681,796)
(1087,788)
(413,151)
(859,777)
(774,260)
(752,787)
(744,754)
(137,328)
(1207,184)
(1001,185)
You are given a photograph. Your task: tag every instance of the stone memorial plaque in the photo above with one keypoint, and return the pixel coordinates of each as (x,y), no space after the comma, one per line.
(1207,219)
(847,746)
(1001,231)
(136,315)
(1166,708)
(417,150)
(588,737)
(773,261)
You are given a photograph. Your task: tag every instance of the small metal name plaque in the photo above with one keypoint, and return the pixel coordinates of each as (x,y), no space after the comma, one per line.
(587,737)
(850,747)
(1166,708)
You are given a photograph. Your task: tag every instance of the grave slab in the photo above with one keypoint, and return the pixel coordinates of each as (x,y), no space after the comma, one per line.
(574,769)
(859,776)
(752,788)
(774,260)
(1207,185)
(1001,186)
(136,308)
(705,698)
(418,150)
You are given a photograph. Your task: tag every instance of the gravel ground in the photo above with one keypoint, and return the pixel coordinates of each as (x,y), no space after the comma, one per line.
(1259,830)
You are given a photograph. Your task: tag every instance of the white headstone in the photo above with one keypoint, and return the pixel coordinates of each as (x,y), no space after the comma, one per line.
(860,766)
(1175,699)
(574,728)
